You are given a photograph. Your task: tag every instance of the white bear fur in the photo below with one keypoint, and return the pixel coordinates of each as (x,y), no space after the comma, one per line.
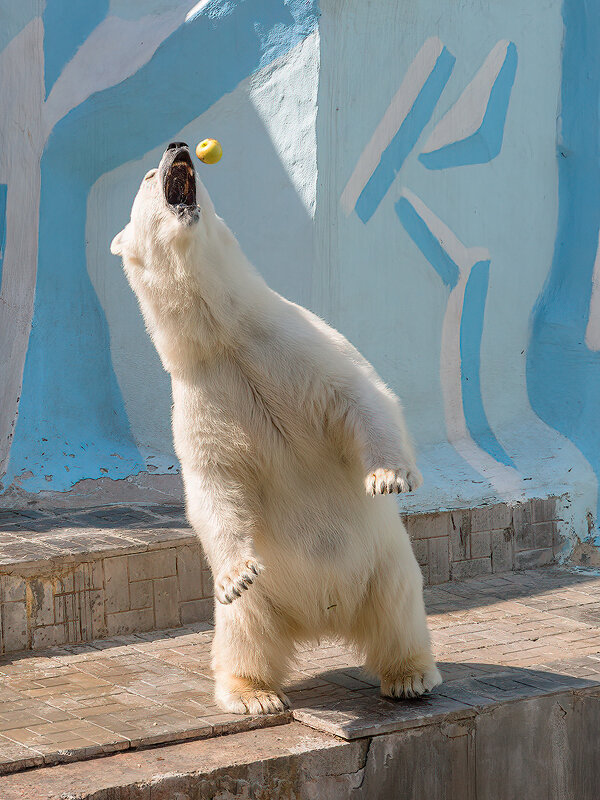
(284,433)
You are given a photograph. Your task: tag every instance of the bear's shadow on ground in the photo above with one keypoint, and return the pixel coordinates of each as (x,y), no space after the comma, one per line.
(472,684)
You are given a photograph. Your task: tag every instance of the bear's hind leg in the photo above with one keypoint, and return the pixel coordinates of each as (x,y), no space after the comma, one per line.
(391,627)
(251,653)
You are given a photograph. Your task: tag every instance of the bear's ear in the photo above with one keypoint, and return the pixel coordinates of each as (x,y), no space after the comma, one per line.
(118,243)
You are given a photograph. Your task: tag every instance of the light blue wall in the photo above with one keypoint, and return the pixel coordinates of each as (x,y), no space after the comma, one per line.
(387,282)
(563,365)
(72,423)
(396,167)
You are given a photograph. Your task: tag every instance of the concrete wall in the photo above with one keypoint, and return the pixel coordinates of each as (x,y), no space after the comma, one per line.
(396,166)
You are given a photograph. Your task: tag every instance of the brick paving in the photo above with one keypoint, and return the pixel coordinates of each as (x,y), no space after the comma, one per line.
(496,638)
(34,536)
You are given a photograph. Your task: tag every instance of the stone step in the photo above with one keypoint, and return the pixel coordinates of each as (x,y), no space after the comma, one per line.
(520,656)
(544,748)
(77,575)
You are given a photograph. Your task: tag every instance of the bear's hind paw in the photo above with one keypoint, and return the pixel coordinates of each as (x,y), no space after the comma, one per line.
(411,685)
(252,700)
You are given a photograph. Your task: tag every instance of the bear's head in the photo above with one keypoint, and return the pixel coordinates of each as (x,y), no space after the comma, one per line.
(169,211)
(182,261)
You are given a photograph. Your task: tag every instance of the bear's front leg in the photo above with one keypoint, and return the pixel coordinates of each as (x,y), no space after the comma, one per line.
(374,420)
(225,522)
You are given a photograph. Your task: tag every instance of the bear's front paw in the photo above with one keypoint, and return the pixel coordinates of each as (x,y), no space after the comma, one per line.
(393,481)
(229,585)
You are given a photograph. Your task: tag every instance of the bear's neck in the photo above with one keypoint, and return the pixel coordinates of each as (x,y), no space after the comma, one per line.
(204,303)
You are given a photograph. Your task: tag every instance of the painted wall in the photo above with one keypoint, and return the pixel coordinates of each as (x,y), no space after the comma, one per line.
(397,168)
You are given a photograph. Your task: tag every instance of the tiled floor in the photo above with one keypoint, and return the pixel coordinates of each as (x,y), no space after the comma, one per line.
(497,638)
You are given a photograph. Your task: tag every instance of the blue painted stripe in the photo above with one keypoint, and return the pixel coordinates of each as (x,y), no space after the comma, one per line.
(471,331)
(3,192)
(427,242)
(395,154)
(486,143)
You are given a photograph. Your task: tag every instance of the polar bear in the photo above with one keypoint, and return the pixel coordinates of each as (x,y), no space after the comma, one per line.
(291,448)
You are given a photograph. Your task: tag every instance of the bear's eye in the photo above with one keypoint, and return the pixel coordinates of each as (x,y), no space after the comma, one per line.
(150,174)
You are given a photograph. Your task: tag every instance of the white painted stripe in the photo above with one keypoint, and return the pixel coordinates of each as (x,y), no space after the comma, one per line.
(592,332)
(397,111)
(21,97)
(466,115)
(197,9)
(131,44)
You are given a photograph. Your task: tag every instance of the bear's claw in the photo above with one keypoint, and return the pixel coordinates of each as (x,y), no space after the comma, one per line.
(230,586)
(392,481)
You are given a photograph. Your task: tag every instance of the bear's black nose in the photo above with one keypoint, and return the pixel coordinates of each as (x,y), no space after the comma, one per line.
(176,145)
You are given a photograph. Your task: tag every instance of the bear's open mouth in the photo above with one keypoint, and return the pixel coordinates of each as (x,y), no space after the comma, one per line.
(180,181)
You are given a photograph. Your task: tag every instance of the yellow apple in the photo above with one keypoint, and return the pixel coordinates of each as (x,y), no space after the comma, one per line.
(209,151)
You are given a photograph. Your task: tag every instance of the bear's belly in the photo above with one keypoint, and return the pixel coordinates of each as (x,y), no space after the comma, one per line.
(323,542)
(319,568)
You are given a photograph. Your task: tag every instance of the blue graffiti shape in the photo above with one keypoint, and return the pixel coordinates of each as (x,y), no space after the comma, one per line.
(72,422)
(471,331)
(395,154)
(471,325)
(427,242)
(3,191)
(67,24)
(486,143)
(563,375)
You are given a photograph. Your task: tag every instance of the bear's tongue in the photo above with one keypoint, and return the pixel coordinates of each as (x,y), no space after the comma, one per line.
(181,187)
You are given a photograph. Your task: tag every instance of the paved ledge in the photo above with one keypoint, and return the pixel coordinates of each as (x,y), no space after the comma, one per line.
(500,640)
(34,538)
(76,575)
(79,575)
